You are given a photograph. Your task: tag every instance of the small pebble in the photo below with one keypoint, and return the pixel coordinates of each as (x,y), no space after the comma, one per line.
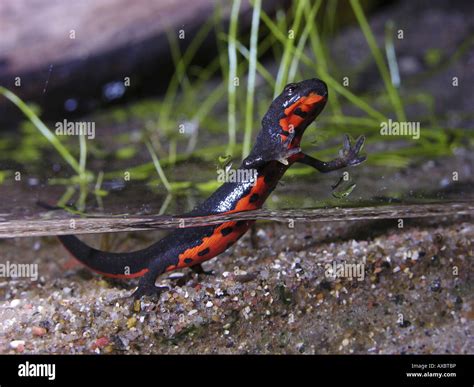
(38,331)
(14,303)
(15,344)
(100,343)
(131,322)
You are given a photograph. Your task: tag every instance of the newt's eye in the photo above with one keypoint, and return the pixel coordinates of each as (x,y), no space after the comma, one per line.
(290,88)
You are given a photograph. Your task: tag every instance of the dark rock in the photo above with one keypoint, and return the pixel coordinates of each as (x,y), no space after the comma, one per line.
(73,51)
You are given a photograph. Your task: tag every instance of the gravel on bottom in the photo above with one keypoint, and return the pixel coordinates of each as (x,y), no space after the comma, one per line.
(292,293)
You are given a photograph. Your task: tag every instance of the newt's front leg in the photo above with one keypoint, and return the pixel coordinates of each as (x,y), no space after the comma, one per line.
(277,152)
(349,156)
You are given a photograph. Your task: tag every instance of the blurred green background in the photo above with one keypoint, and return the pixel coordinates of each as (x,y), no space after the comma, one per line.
(172,99)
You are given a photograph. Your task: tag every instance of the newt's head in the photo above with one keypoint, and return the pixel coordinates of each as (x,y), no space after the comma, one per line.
(295,108)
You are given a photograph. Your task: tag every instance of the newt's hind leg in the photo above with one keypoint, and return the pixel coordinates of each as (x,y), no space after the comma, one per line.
(146,285)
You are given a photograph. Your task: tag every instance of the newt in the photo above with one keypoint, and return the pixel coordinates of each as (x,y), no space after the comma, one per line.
(276,148)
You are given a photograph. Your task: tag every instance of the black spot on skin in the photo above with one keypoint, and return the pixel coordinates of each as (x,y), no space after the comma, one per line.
(254,198)
(226,231)
(300,113)
(188,260)
(241,223)
(268,178)
(203,252)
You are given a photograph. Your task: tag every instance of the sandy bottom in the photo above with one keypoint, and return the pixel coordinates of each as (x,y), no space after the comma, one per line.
(411,293)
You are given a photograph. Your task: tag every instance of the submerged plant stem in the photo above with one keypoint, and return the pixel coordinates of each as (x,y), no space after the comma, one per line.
(157,165)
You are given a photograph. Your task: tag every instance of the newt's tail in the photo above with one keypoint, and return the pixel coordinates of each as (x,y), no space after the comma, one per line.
(117,265)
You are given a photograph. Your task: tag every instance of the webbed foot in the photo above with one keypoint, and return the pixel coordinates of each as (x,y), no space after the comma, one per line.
(350,153)
(282,153)
(148,290)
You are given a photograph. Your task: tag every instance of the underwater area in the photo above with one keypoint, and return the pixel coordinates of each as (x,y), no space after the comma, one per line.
(113,124)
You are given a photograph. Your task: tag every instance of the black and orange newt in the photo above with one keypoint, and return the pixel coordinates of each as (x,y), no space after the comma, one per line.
(276,148)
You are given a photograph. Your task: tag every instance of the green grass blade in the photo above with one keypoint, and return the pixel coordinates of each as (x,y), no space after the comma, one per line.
(257,6)
(369,36)
(391,55)
(50,136)
(335,85)
(260,67)
(157,165)
(82,153)
(320,54)
(282,76)
(231,87)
